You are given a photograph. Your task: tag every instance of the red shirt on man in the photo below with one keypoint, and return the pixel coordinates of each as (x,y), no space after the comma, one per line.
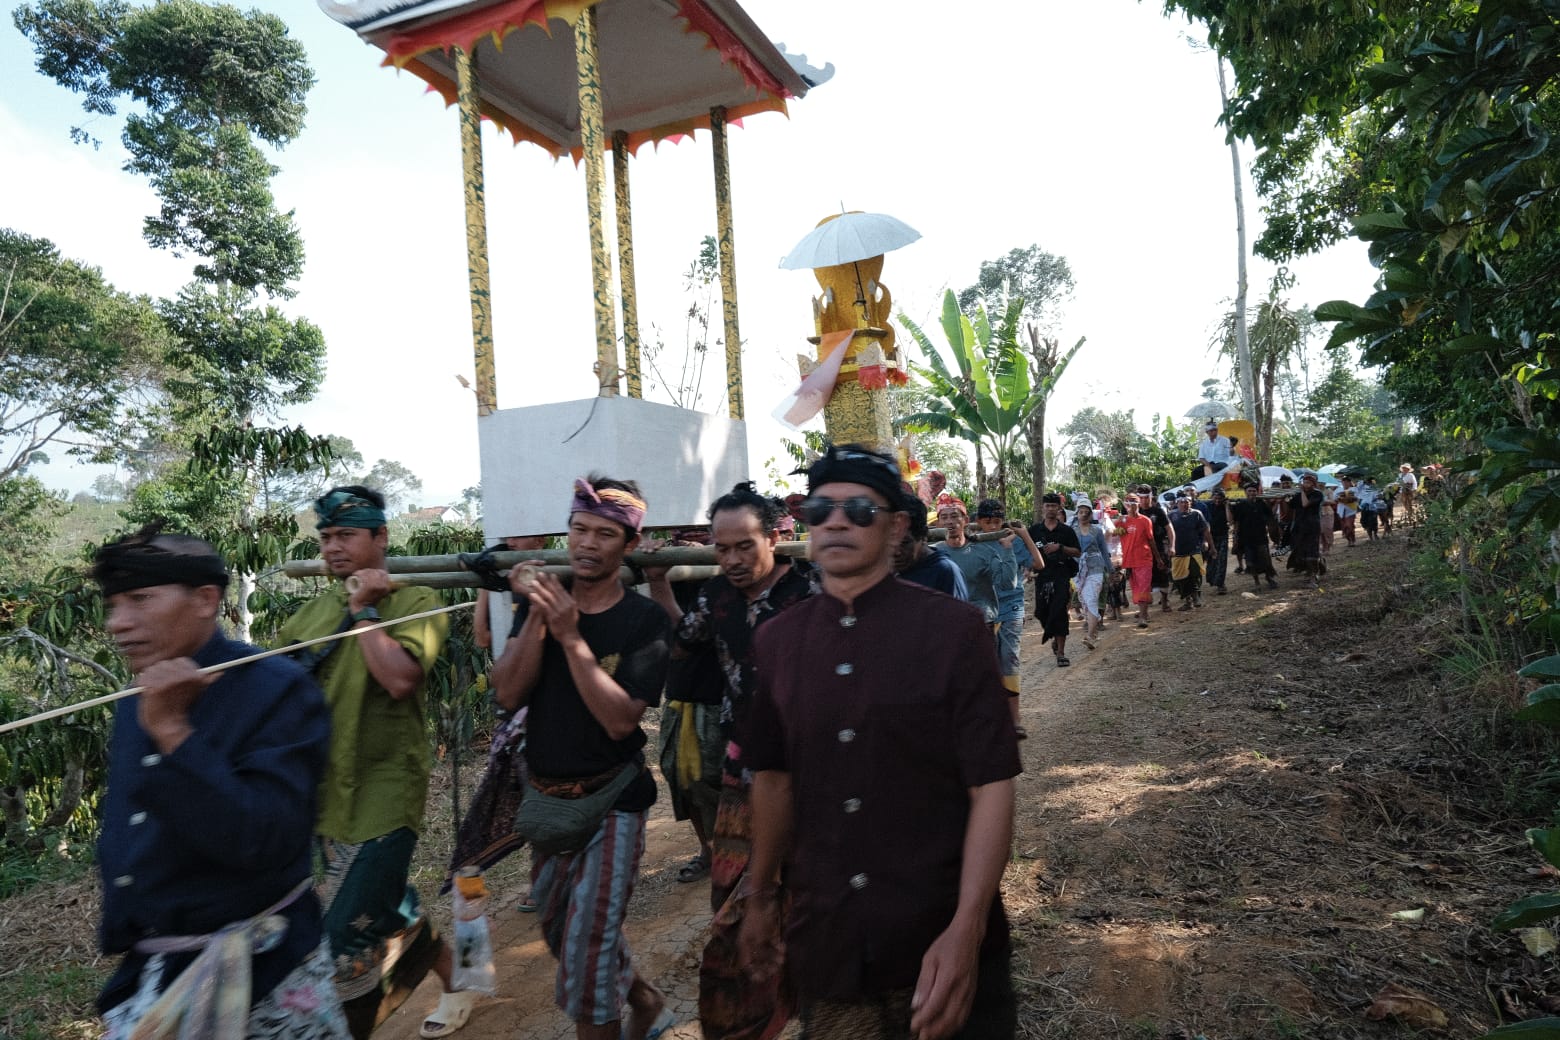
(1137,540)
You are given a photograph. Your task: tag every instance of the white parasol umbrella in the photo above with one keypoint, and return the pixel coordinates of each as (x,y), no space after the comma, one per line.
(1211,409)
(1272,474)
(847,238)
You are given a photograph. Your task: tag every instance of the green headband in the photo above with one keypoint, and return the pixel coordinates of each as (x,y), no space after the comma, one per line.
(344,509)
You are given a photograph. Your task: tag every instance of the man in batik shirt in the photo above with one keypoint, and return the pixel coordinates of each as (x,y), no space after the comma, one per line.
(754,585)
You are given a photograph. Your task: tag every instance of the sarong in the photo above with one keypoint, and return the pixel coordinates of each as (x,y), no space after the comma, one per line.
(1091,578)
(731,1005)
(1259,559)
(696,789)
(487,833)
(1161,572)
(1051,608)
(583,899)
(886,1016)
(1187,573)
(1141,580)
(303,1006)
(379,938)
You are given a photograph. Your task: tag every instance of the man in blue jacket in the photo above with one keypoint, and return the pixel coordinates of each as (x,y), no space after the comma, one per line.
(205,851)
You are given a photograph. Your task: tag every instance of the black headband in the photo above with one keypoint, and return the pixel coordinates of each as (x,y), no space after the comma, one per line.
(850,464)
(137,563)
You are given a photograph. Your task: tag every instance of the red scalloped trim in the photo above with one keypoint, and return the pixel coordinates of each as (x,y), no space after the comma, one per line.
(464,30)
(731,50)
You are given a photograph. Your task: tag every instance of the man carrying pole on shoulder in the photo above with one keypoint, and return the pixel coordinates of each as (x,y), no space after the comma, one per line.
(754,586)
(212,779)
(376,780)
(588,660)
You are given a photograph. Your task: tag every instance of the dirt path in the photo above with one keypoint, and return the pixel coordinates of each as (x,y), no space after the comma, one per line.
(1219,818)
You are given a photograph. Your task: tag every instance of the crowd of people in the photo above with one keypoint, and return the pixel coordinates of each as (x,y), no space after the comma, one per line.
(260,820)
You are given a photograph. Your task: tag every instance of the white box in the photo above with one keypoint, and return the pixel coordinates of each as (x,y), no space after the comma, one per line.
(682,460)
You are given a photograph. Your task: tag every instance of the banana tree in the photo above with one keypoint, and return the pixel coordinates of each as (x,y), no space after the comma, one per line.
(988,397)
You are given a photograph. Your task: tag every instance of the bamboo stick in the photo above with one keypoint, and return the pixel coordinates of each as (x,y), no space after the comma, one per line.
(670,556)
(109,698)
(469,580)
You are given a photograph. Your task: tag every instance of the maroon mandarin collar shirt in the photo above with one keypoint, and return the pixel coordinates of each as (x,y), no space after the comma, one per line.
(884,716)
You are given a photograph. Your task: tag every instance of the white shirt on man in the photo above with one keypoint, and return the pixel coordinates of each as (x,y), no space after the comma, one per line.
(1214,449)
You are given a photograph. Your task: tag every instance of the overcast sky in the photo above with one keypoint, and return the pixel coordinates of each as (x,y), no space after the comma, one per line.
(1088,128)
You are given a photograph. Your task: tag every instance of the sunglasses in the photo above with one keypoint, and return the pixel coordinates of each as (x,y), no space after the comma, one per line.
(859,510)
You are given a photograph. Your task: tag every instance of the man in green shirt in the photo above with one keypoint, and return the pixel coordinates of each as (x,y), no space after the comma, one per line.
(376,780)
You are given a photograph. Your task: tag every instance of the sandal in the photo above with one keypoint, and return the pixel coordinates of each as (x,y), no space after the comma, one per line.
(1023,734)
(696,869)
(451,1014)
(664,1020)
(1062,662)
(528,904)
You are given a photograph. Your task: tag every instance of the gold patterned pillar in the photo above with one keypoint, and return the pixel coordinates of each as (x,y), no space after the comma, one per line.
(593,142)
(625,236)
(476,234)
(855,415)
(728,263)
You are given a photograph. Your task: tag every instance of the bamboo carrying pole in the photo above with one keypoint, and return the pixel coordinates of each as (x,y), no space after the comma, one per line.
(672,556)
(685,563)
(350,633)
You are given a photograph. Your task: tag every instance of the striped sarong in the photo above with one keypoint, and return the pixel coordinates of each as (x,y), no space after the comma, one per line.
(583,900)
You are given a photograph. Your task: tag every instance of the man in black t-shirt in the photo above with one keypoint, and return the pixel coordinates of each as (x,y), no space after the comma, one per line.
(1058,545)
(588,661)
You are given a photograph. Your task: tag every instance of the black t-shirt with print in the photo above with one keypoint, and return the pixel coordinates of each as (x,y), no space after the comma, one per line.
(631,642)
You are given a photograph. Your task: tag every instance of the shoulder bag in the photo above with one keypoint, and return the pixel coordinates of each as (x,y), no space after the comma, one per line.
(555,825)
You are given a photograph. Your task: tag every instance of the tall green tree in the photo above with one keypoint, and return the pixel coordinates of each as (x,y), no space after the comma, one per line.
(209,84)
(1100,434)
(1276,340)
(79,361)
(1043,281)
(989,397)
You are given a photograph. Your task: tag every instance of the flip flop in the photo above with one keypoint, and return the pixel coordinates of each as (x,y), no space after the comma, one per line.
(664,1021)
(696,869)
(451,1014)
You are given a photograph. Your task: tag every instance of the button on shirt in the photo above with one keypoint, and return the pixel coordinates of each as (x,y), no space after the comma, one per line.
(881,756)
(218,829)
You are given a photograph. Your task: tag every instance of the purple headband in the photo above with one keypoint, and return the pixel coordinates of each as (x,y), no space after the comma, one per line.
(613,504)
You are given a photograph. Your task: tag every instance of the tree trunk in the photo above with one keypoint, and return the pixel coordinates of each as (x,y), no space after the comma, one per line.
(1035,430)
(243,581)
(70,796)
(1246,377)
(980,472)
(1265,431)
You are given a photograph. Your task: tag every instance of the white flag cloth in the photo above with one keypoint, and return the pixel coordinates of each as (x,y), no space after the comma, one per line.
(808,399)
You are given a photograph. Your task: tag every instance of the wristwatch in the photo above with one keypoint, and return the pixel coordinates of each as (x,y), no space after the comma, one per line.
(366,614)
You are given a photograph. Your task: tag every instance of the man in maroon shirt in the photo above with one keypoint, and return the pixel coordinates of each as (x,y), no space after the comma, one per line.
(872,697)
